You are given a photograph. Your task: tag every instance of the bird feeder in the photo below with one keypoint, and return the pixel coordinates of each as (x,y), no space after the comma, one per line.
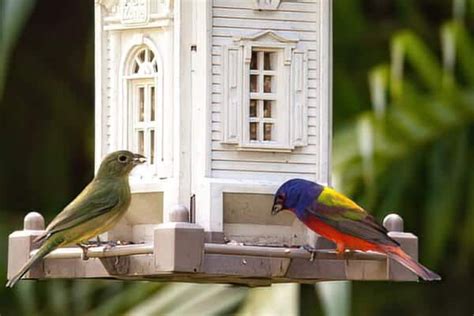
(227,100)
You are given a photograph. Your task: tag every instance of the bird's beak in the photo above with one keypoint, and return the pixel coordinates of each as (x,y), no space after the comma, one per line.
(277,208)
(138,159)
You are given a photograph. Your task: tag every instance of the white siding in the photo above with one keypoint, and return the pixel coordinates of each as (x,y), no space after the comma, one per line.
(293,19)
(108,95)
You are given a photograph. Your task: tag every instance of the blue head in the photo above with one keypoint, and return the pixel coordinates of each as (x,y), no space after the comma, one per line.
(296,195)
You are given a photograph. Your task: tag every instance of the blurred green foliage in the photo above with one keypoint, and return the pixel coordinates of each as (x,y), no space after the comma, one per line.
(403,117)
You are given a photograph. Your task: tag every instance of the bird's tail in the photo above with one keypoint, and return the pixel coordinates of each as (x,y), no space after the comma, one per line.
(403,258)
(46,248)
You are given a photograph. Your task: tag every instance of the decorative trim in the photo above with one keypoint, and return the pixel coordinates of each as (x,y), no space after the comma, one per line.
(267,33)
(268,39)
(232,94)
(162,22)
(298,100)
(136,14)
(107,4)
(266,4)
(134,11)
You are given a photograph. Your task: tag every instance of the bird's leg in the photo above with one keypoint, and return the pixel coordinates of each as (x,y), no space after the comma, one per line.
(110,244)
(340,250)
(311,250)
(84,248)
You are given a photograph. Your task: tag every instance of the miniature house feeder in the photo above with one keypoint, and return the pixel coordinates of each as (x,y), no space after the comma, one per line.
(227,99)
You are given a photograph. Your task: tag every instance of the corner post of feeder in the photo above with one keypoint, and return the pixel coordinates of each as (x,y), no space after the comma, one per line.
(20,244)
(408,242)
(179,244)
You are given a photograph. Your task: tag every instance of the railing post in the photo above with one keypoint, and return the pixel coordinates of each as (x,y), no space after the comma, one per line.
(178,245)
(20,244)
(408,242)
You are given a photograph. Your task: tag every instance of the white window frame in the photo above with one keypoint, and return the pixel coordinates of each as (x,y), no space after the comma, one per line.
(146,125)
(130,124)
(291,115)
(281,133)
(278,119)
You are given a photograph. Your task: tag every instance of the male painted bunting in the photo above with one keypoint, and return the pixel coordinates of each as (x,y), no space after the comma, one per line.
(339,219)
(94,211)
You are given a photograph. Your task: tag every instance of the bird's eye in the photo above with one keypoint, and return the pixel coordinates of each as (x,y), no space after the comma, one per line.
(122,158)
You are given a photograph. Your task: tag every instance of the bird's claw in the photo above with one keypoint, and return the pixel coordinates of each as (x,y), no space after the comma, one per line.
(340,251)
(311,250)
(113,243)
(107,245)
(85,248)
(110,244)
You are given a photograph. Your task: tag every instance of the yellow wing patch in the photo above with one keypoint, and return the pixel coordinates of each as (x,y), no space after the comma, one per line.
(331,197)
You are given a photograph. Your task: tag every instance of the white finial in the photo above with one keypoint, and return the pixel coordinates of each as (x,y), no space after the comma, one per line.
(179,214)
(393,223)
(33,221)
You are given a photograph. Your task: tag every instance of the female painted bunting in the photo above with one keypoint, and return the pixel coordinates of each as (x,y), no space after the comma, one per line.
(94,211)
(339,219)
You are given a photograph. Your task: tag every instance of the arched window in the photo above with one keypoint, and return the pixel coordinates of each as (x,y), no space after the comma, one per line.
(143,103)
(144,62)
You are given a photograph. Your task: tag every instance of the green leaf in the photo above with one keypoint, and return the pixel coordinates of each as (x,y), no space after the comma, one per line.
(408,46)
(447,165)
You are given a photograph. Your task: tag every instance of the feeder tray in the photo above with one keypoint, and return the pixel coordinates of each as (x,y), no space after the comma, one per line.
(179,253)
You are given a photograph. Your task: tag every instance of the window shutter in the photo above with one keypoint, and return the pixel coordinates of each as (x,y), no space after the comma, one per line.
(232,94)
(298,97)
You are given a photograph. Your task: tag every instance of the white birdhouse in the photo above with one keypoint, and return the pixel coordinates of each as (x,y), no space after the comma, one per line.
(227,99)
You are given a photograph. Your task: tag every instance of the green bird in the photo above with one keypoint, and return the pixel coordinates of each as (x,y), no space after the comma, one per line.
(94,211)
